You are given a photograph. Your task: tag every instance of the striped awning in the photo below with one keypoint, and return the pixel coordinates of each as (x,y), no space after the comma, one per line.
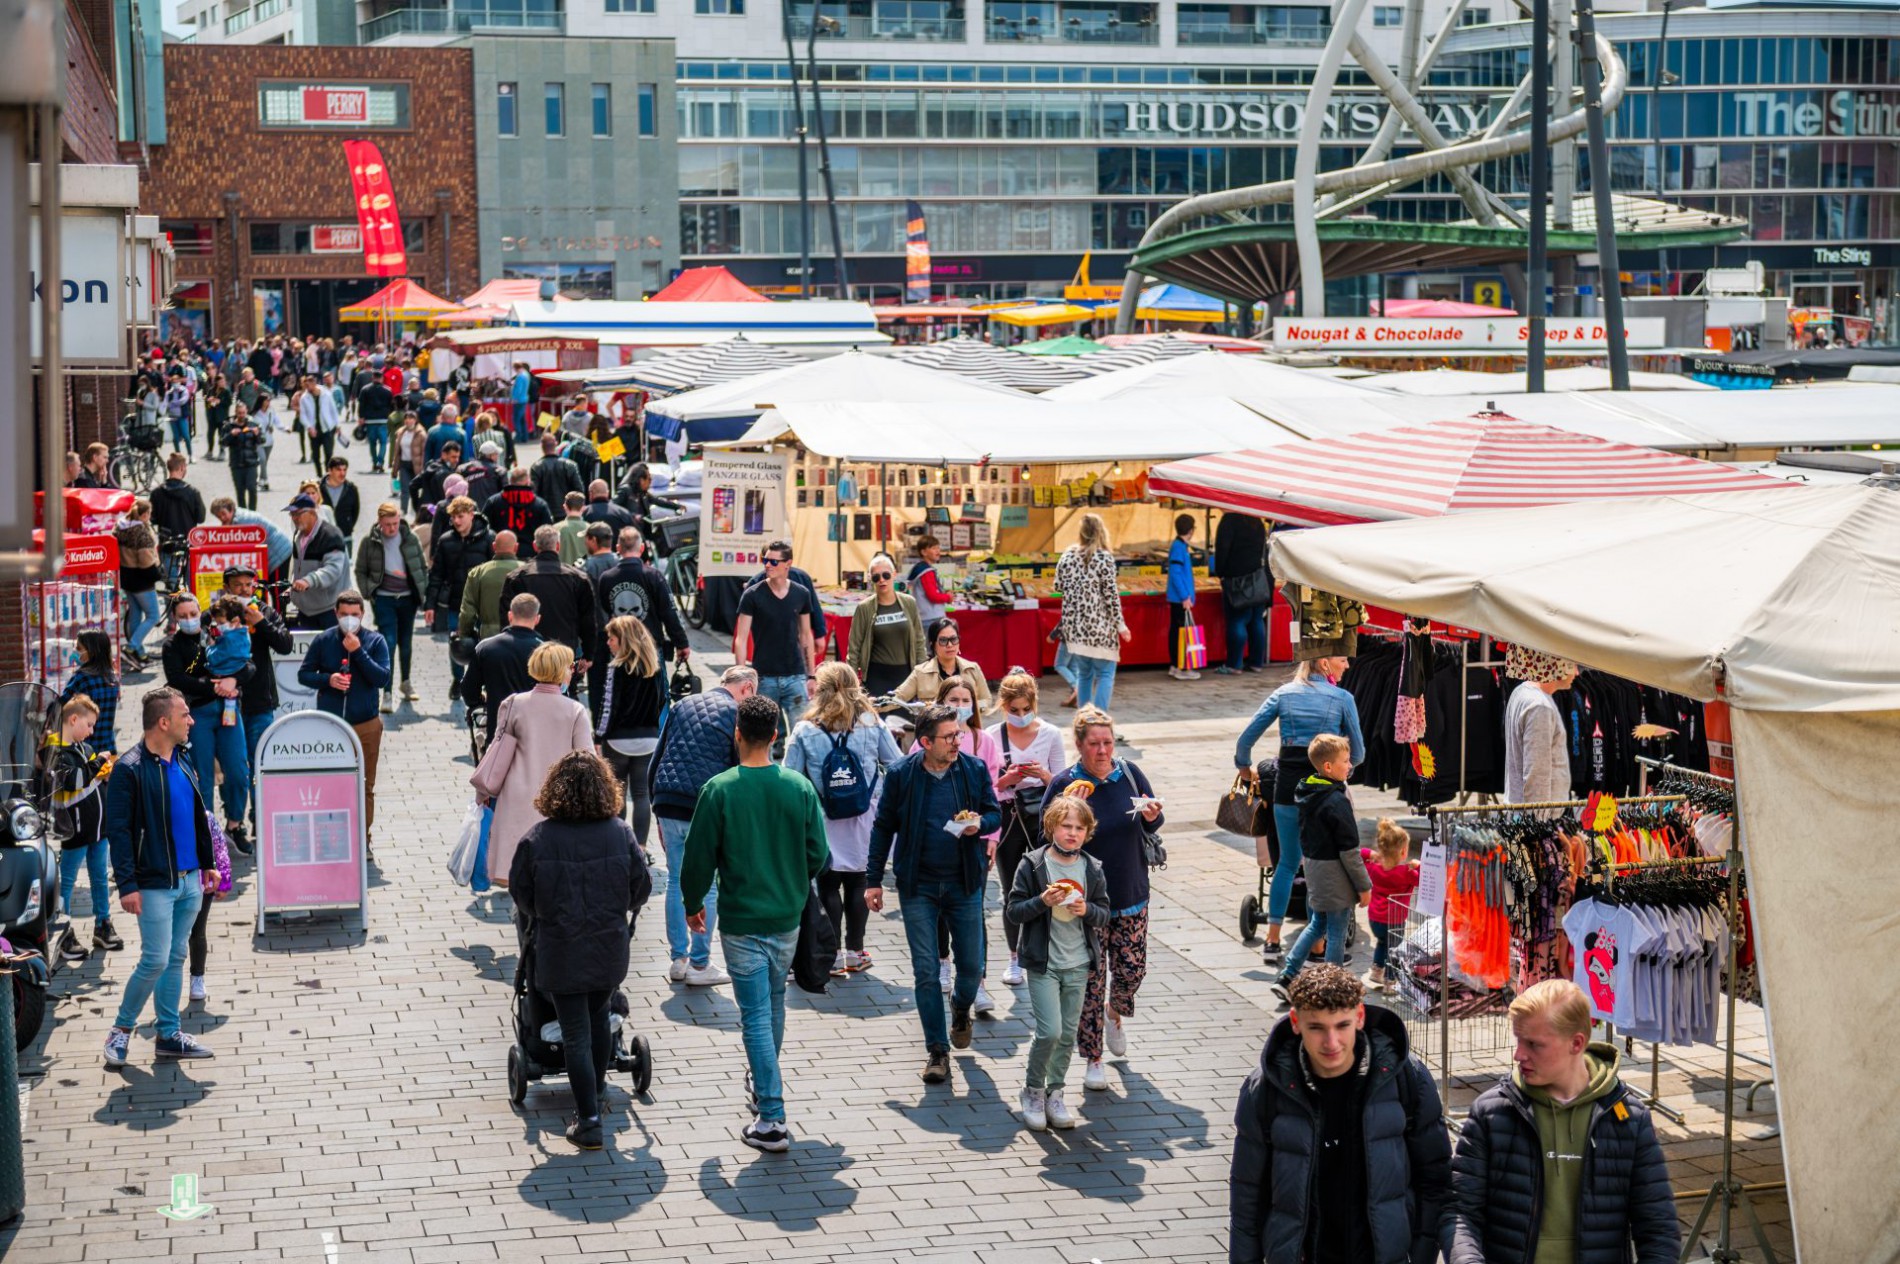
(709,365)
(1484,462)
(995,365)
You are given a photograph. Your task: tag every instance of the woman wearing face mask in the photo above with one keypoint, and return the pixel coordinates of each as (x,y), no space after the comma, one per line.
(887,636)
(927,678)
(1031,750)
(956,694)
(214,744)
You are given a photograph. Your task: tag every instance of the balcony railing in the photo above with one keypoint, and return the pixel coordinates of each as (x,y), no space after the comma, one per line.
(256,13)
(1074,31)
(860,27)
(1233,33)
(457,21)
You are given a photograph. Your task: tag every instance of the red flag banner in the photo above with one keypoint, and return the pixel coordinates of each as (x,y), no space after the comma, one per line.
(376,211)
(916,255)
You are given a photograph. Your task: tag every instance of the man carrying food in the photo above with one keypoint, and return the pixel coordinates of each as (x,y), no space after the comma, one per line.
(937,806)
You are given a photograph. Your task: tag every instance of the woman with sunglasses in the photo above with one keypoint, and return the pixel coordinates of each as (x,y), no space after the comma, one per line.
(928,677)
(887,634)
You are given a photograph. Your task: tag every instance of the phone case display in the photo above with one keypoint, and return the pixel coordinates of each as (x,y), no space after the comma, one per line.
(83,597)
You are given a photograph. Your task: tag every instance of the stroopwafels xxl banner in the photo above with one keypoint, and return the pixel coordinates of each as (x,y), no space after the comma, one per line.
(376,212)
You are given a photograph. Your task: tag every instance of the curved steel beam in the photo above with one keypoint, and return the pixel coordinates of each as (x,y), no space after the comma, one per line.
(1306,155)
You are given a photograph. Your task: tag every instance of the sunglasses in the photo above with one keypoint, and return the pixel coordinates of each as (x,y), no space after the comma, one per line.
(777,561)
(879,577)
(949,640)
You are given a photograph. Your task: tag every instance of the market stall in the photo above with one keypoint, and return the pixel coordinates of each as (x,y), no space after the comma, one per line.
(495,352)
(997,366)
(1784,604)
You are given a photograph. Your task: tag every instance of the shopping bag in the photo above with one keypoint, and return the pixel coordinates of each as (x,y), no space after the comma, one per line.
(1191,648)
(1235,813)
(817,947)
(478,882)
(468,842)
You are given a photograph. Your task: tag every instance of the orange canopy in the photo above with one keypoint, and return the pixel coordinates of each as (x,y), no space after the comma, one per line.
(708,285)
(399,300)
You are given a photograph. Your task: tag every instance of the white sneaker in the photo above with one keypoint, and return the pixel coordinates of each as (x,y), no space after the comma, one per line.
(677,971)
(947,977)
(1117,1036)
(1187,674)
(855,961)
(839,965)
(708,975)
(1013,974)
(197,987)
(984,1003)
(1058,1111)
(389,702)
(1095,1079)
(1033,1117)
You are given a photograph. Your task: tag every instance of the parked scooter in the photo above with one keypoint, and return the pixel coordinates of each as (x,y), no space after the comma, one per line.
(29,861)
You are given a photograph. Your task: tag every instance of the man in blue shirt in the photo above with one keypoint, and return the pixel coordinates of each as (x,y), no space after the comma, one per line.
(348,666)
(276,540)
(520,391)
(1180,596)
(162,863)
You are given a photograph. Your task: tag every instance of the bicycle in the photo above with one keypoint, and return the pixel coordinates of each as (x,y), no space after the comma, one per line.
(135,463)
(173,551)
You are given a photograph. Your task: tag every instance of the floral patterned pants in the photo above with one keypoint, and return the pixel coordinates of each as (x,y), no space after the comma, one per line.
(1116,976)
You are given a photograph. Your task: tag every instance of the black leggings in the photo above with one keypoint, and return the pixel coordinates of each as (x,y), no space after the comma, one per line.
(200,948)
(586,1043)
(842,890)
(1010,851)
(632,771)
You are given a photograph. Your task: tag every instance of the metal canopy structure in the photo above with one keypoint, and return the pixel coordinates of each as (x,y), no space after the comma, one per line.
(1249,262)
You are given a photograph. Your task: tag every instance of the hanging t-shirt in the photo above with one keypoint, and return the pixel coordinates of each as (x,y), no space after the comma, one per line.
(1601,936)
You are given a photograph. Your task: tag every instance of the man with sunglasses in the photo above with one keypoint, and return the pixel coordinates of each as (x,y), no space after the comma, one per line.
(773,636)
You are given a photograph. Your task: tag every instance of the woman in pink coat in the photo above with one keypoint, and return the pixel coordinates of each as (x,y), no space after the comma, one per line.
(545,726)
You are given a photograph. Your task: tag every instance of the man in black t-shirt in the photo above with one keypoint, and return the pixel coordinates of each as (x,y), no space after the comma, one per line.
(773,635)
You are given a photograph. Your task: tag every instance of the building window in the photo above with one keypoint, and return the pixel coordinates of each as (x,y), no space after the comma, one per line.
(649,109)
(1475,17)
(1388,15)
(354,106)
(603,110)
(505,121)
(557,109)
(629,6)
(576,280)
(730,8)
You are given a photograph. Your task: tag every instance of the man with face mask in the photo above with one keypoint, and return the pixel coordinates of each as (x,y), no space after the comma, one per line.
(348,665)
(257,697)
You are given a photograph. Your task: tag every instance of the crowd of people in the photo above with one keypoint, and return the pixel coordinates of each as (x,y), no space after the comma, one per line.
(781,780)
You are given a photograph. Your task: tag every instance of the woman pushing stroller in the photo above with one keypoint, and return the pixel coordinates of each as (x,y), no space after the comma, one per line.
(578,878)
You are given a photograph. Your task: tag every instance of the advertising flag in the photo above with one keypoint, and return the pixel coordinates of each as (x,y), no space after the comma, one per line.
(376,212)
(916,255)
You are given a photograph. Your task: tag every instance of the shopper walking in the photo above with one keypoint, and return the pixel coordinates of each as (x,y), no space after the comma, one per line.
(340,494)
(177,506)
(516,508)
(696,745)
(1394,877)
(1031,754)
(1336,878)
(139,574)
(577,880)
(569,609)
(96,679)
(930,793)
(215,744)
(542,726)
(162,862)
(348,665)
(374,407)
(1125,810)
(319,565)
(632,704)
(773,632)
(245,449)
(923,584)
(1246,590)
(217,404)
(1091,626)
(453,556)
(76,783)
(887,633)
(1180,596)
(480,614)
(1304,707)
(843,749)
(1058,900)
(632,587)
(406,459)
(973,740)
(760,830)
(498,668)
(391,572)
(1340,1152)
(257,697)
(927,679)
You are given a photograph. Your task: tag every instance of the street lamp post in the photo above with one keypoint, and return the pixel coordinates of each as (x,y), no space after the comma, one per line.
(1537,266)
(804,191)
(821,22)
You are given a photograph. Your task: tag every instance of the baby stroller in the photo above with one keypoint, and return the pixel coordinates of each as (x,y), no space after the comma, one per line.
(537,1051)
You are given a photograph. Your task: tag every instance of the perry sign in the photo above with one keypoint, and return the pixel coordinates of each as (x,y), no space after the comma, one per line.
(1459,333)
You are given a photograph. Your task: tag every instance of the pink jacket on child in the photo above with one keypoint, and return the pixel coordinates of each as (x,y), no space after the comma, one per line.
(1391,888)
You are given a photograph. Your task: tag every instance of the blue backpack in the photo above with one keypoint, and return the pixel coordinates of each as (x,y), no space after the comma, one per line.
(843,787)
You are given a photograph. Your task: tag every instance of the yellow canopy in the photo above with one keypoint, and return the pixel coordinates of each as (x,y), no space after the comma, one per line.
(1048,314)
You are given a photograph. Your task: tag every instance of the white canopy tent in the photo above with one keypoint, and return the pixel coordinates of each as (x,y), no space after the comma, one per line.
(1469,382)
(1242,378)
(1787,604)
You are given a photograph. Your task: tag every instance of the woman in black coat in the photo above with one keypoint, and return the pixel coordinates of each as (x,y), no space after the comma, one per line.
(577,879)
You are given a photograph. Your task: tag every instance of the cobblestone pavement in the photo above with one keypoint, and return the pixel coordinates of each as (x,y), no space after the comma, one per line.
(357,1109)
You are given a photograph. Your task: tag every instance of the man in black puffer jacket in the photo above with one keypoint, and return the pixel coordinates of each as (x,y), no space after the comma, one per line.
(1561,1161)
(1340,1152)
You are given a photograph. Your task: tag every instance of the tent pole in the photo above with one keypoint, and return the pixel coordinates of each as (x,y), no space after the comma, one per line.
(837,508)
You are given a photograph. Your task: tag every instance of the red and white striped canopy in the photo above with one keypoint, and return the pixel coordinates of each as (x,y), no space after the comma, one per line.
(1490,461)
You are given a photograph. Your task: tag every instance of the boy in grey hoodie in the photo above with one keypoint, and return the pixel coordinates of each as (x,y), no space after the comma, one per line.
(1336,877)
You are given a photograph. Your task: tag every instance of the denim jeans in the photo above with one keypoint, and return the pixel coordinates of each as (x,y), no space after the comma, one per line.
(1065,665)
(396,620)
(1094,680)
(224,746)
(92,858)
(1246,630)
(1336,926)
(1384,935)
(1055,997)
(758,965)
(681,942)
(254,726)
(1286,824)
(144,618)
(923,909)
(165,920)
(789,693)
(378,432)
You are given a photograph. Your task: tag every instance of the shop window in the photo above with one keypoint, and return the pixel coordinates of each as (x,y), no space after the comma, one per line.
(719,8)
(1388,15)
(576,280)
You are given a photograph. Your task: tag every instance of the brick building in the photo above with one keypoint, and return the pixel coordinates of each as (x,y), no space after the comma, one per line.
(252,186)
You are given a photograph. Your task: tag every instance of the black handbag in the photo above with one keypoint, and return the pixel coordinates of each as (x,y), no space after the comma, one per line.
(817,947)
(1244,592)
(1153,850)
(685,682)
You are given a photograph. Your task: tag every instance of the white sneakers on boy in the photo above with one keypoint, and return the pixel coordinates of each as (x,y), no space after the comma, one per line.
(1034,1117)
(1057,1111)
(1013,974)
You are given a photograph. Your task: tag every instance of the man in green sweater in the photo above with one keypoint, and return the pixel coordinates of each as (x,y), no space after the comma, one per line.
(761,831)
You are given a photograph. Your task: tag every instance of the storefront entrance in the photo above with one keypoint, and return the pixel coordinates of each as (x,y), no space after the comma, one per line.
(313,305)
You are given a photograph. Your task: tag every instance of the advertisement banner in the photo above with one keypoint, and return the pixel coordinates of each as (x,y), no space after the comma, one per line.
(916,255)
(94,255)
(310,846)
(335,105)
(1460,333)
(742,508)
(336,239)
(212,549)
(376,212)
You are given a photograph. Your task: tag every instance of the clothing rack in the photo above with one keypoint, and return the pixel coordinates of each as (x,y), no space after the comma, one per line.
(1726,1191)
(1439,819)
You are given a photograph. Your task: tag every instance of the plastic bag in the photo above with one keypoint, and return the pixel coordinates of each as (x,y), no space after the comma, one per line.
(468,843)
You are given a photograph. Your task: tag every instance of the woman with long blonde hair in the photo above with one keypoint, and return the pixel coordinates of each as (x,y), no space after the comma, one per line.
(632,704)
(840,718)
(543,725)
(1092,627)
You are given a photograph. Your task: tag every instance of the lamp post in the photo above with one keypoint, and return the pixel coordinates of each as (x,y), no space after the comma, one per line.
(1658,76)
(827,24)
(804,190)
(1537,266)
